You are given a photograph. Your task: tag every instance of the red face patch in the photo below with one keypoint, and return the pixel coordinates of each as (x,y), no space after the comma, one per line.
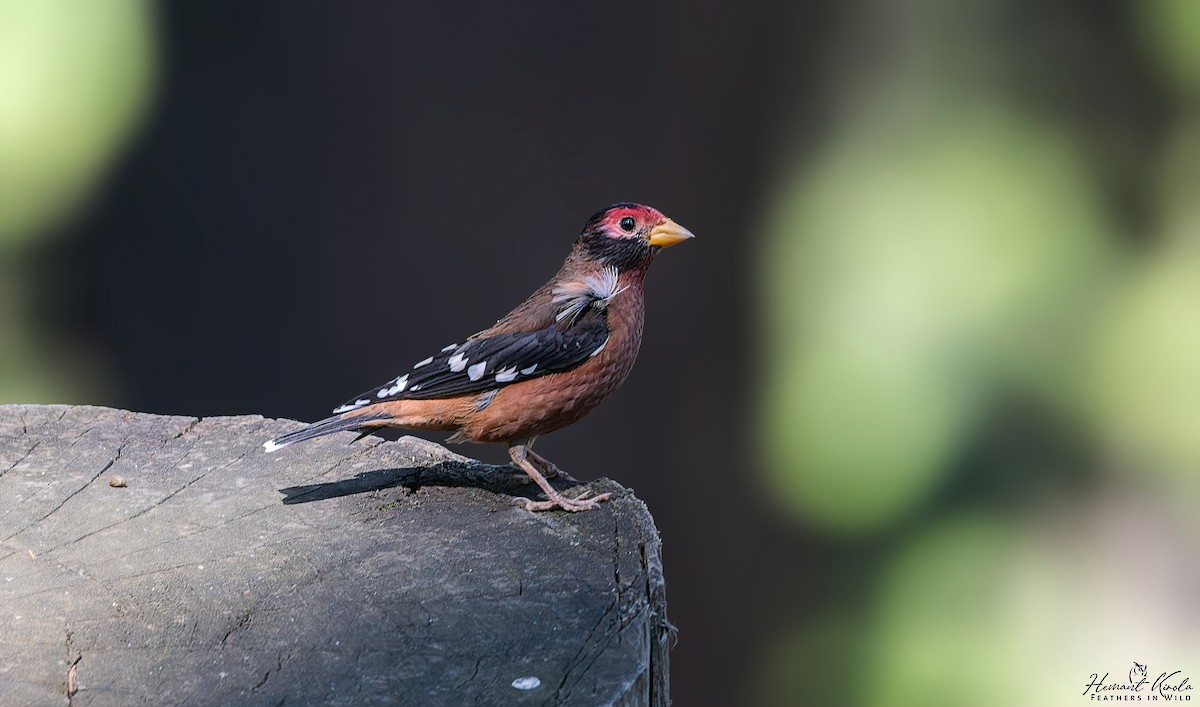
(630,219)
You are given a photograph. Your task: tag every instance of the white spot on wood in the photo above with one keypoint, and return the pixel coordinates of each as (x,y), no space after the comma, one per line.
(529,371)
(527,683)
(457,362)
(423,362)
(476,372)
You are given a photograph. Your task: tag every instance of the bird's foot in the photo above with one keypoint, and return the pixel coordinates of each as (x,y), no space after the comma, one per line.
(550,471)
(549,468)
(584,502)
(520,455)
(553,472)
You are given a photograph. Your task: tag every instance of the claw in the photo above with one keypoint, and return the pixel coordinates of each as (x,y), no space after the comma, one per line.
(550,468)
(520,455)
(571,505)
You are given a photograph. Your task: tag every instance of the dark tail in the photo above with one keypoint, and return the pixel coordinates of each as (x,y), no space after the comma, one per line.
(319,429)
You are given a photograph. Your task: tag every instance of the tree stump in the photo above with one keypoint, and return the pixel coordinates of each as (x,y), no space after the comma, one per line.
(325,573)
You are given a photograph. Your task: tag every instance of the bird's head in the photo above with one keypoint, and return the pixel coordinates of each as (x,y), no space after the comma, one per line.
(626,236)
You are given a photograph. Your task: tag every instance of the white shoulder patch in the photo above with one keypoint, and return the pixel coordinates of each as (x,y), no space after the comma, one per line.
(594,289)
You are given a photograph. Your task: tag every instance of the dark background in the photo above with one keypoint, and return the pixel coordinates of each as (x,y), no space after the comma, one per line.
(305,198)
(323,194)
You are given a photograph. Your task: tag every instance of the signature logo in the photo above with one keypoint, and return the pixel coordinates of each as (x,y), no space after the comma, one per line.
(1168,686)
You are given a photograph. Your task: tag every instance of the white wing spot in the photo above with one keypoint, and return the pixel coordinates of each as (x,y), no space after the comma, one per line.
(476,372)
(383,393)
(506,375)
(351,406)
(423,362)
(451,347)
(457,362)
(599,348)
(401,383)
(529,371)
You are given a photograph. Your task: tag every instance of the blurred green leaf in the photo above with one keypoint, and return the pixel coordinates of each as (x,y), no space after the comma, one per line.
(1178,181)
(1146,368)
(910,272)
(1170,31)
(1021,611)
(940,638)
(74,79)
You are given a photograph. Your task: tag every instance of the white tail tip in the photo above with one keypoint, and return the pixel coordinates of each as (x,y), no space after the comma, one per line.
(271,446)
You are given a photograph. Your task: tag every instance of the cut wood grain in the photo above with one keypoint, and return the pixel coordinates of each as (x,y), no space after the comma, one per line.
(326,573)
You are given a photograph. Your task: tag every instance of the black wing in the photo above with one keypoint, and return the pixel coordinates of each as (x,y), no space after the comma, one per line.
(493,362)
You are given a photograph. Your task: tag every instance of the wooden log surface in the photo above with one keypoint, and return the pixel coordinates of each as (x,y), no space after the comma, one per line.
(326,573)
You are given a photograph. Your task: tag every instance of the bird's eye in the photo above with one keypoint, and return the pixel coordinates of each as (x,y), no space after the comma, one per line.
(627,224)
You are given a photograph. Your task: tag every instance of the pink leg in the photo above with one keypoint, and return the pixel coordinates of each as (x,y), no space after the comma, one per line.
(519,454)
(548,467)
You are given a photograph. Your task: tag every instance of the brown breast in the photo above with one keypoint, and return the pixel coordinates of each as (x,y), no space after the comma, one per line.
(525,410)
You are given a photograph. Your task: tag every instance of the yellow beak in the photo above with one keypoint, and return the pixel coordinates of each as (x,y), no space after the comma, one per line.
(668,233)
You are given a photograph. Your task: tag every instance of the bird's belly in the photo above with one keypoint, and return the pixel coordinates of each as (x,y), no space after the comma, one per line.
(526,410)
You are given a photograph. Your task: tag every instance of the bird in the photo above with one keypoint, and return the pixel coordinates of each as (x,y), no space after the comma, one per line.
(541,367)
